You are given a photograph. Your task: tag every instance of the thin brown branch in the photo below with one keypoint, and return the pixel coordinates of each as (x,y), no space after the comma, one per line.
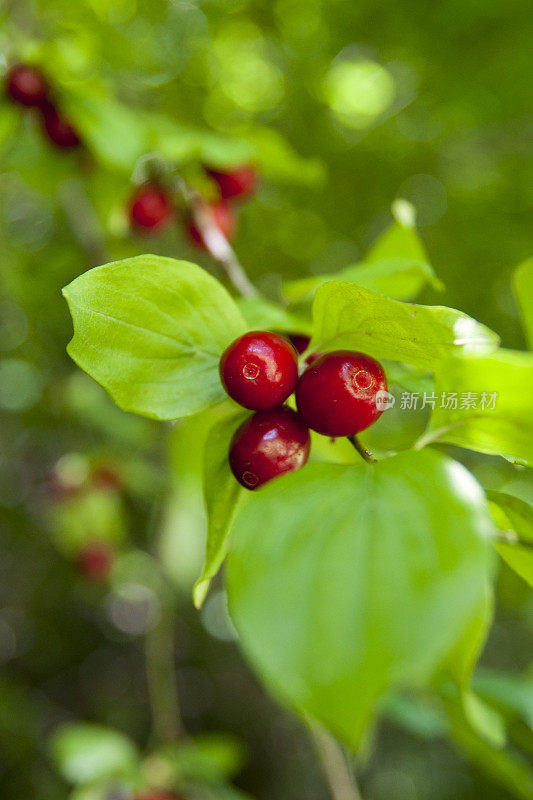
(215,241)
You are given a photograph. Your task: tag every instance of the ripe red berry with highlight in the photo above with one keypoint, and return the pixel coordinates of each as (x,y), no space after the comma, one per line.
(95,561)
(58,129)
(268,444)
(259,370)
(336,395)
(223,217)
(240,182)
(150,208)
(27,85)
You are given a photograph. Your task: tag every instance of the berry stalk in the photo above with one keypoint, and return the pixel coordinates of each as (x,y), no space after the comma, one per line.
(215,241)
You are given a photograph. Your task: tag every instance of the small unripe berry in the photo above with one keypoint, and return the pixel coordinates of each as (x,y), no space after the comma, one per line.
(268,444)
(150,208)
(239,182)
(259,370)
(95,561)
(27,86)
(223,216)
(336,395)
(58,129)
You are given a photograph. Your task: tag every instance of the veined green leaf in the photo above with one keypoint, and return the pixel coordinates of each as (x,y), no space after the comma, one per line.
(222,494)
(347,580)
(513,515)
(151,331)
(401,278)
(493,398)
(351,317)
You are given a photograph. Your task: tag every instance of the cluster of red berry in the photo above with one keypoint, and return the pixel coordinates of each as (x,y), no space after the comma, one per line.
(27,86)
(335,396)
(151,206)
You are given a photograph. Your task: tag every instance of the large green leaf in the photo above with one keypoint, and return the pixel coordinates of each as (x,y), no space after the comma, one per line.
(348,316)
(401,278)
(345,580)
(514,516)
(523,287)
(151,331)
(493,397)
(222,494)
(89,752)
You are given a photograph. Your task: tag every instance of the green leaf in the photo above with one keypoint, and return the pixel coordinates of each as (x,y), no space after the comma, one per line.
(151,331)
(523,287)
(515,516)
(88,752)
(493,413)
(182,144)
(262,314)
(278,161)
(401,278)
(414,714)
(9,120)
(345,581)
(351,317)
(222,495)
(503,766)
(461,660)
(487,722)
(210,758)
(400,239)
(508,691)
(115,134)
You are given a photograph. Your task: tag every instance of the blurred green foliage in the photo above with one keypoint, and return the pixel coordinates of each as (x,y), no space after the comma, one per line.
(344,107)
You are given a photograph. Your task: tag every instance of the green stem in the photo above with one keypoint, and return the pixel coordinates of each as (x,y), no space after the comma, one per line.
(161,676)
(340,779)
(365,454)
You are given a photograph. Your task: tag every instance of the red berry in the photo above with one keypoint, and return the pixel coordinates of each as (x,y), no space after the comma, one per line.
(268,444)
(27,86)
(235,183)
(95,561)
(336,395)
(150,208)
(299,341)
(259,370)
(223,217)
(58,129)
(107,477)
